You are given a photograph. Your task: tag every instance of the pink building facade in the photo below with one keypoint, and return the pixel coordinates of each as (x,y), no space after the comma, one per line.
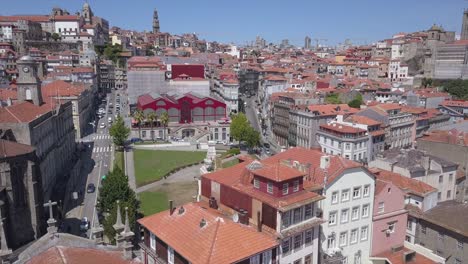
(389,217)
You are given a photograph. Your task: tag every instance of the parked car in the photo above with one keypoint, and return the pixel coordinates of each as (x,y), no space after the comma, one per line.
(102,125)
(135,140)
(84,225)
(266,145)
(91,188)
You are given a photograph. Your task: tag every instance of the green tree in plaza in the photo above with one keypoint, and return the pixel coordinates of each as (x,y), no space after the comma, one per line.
(239,127)
(139,116)
(164,119)
(457,88)
(252,137)
(152,117)
(55,36)
(119,132)
(356,102)
(115,188)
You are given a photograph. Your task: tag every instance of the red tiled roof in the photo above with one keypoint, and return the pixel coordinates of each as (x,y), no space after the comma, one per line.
(460,103)
(69,255)
(362,120)
(22,112)
(397,257)
(453,137)
(312,157)
(331,109)
(12,149)
(62,88)
(220,241)
(404,183)
(342,128)
(278,172)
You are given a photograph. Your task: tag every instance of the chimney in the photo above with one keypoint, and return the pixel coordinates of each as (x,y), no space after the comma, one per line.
(408,256)
(171,207)
(259,221)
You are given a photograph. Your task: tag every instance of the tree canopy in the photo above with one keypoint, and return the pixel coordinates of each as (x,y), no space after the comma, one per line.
(457,88)
(252,137)
(115,187)
(332,99)
(356,102)
(239,126)
(119,132)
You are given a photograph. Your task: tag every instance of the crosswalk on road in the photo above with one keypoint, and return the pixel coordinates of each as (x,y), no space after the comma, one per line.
(96,137)
(103,149)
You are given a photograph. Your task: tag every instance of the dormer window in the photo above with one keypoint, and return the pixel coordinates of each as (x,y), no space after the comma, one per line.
(256,183)
(285,188)
(270,187)
(296,186)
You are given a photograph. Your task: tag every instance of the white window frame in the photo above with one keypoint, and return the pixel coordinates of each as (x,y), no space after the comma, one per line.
(311,206)
(334,197)
(365,231)
(267,257)
(287,242)
(309,234)
(365,208)
(344,215)
(381,208)
(343,192)
(343,242)
(296,186)
(358,189)
(152,241)
(332,215)
(331,241)
(391,227)
(256,183)
(366,191)
(354,216)
(297,238)
(285,188)
(355,232)
(170,255)
(255,259)
(270,187)
(286,219)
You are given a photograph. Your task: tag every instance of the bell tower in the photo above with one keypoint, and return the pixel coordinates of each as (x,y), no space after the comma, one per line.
(29,85)
(87,14)
(156,28)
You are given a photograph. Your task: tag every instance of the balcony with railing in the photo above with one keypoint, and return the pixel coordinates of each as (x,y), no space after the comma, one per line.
(151,253)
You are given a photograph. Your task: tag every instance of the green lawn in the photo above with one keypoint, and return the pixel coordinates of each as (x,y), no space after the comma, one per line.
(230,163)
(153,202)
(119,160)
(152,165)
(157,199)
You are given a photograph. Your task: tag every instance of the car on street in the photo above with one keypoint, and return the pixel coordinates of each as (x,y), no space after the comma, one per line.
(135,140)
(102,125)
(91,188)
(266,145)
(84,224)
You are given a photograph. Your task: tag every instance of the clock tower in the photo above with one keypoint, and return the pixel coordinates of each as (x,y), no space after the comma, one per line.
(29,85)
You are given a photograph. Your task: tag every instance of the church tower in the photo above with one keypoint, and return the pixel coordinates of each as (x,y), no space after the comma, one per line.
(156,28)
(87,14)
(29,85)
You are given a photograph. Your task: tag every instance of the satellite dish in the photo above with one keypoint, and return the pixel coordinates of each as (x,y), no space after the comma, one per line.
(235,217)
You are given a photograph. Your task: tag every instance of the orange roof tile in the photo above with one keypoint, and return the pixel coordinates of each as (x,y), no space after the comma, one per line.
(397,257)
(23,112)
(342,128)
(278,172)
(220,241)
(364,120)
(69,255)
(404,183)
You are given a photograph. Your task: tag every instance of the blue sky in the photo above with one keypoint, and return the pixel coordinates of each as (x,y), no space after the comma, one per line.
(241,20)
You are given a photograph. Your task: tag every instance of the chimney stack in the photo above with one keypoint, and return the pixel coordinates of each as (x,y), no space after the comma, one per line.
(259,221)
(171,207)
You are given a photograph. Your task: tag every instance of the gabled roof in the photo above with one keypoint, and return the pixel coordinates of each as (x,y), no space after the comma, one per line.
(12,149)
(23,112)
(72,255)
(406,184)
(220,240)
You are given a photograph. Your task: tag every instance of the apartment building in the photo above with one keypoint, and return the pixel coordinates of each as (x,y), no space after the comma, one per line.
(270,195)
(437,172)
(342,140)
(399,126)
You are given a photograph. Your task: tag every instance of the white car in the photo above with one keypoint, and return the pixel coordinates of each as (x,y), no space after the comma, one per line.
(102,125)
(84,225)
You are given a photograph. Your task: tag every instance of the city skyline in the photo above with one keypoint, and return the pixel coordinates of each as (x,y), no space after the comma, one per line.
(345,20)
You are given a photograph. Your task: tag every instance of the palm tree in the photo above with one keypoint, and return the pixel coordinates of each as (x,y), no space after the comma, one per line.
(139,116)
(152,117)
(164,119)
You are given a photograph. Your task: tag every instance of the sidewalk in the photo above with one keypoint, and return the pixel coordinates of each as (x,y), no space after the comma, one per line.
(130,169)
